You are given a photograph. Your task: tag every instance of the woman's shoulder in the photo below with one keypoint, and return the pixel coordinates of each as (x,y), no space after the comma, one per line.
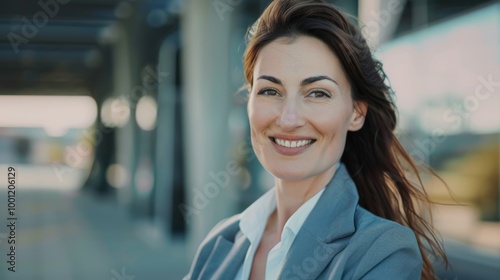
(372,227)
(376,239)
(380,248)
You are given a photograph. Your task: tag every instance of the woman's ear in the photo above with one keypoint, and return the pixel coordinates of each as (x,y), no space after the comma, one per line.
(358,116)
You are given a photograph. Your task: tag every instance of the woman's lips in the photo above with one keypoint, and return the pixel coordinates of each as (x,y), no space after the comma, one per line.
(290,147)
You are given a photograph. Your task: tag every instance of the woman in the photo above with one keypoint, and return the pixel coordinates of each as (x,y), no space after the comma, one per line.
(322,121)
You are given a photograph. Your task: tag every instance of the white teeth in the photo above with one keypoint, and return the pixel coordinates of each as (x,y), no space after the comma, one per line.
(292,144)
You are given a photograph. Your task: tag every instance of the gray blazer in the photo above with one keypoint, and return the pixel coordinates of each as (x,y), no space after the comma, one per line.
(338,240)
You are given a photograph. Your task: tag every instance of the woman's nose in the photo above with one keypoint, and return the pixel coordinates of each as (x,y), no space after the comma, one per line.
(290,117)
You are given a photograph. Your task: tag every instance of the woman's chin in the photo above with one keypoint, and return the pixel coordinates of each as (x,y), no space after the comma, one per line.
(289,174)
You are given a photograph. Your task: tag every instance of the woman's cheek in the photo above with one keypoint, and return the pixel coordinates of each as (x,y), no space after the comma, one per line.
(264,113)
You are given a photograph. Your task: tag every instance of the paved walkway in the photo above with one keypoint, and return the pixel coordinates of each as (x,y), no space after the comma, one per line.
(75,236)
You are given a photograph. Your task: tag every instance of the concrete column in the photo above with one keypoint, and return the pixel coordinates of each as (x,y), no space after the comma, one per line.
(205,33)
(123,111)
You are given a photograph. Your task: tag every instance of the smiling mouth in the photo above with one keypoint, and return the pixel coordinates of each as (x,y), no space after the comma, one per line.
(292,143)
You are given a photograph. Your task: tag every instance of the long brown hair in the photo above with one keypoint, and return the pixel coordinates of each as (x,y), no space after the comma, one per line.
(377,162)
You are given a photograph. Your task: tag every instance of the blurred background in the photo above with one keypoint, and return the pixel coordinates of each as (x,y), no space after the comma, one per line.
(125,124)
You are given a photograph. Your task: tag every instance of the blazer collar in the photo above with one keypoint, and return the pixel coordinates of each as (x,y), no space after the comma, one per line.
(333,215)
(317,242)
(331,220)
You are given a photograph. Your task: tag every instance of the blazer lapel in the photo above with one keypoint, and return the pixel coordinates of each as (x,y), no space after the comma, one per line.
(323,234)
(309,259)
(234,259)
(226,258)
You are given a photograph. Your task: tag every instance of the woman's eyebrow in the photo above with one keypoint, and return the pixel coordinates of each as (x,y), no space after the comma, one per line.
(304,82)
(313,79)
(271,79)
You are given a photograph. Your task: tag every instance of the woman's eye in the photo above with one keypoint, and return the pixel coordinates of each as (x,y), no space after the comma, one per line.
(319,94)
(268,92)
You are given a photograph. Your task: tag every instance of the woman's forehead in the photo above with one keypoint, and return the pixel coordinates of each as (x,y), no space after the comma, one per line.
(299,58)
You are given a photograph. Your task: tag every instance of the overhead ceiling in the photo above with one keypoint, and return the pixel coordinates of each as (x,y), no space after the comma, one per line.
(58,44)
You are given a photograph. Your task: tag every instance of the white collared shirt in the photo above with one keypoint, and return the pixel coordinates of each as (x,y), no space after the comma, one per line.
(253,223)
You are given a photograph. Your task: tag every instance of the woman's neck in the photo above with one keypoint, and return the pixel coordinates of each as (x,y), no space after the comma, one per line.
(290,195)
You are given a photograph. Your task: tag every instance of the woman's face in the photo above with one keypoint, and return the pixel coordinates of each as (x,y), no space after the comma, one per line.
(300,108)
